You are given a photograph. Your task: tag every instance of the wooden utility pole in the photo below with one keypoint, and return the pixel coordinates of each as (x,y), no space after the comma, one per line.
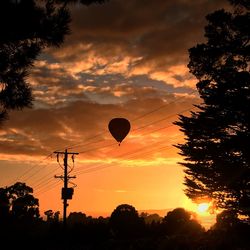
(67,193)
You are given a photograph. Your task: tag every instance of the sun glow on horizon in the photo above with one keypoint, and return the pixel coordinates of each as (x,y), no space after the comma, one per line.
(203,208)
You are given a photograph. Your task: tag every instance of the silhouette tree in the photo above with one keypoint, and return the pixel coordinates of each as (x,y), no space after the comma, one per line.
(77,218)
(150,218)
(27,27)
(4,205)
(180,221)
(56,216)
(125,221)
(229,232)
(52,216)
(19,203)
(49,214)
(226,220)
(217,158)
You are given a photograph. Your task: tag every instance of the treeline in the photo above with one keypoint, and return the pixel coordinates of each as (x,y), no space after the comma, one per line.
(22,227)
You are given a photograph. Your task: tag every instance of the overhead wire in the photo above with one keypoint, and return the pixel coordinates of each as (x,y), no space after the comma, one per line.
(163,106)
(45,184)
(48,188)
(104,166)
(43,179)
(30,169)
(132,120)
(160,120)
(78,171)
(138,128)
(101,166)
(46,181)
(141,127)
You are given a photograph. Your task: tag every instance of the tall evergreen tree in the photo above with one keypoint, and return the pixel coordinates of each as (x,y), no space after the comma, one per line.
(217,137)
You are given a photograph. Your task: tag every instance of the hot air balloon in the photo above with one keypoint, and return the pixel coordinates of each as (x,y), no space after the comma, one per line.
(119,128)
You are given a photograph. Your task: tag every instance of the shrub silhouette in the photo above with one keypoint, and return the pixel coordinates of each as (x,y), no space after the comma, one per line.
(125,222)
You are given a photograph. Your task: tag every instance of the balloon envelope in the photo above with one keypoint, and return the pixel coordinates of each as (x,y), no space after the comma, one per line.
(119,128)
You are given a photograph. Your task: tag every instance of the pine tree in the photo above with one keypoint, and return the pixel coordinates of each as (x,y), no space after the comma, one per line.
(217,137)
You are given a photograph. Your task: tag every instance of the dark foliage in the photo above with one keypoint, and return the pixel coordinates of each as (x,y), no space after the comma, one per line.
(27,27)
(125,222)
(216,151)
(124,230)
(18,204)
(179,221)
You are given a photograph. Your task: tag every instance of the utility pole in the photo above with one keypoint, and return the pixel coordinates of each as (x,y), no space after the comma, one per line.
(67,193)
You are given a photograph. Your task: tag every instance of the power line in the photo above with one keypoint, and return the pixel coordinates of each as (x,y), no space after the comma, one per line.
(42,180)
(47,181)
(126,154)
(144,126)
(163,106)
(141,127)
(95,168)
(162,119)
(138,128)
(66,191)
(31,168)
(135,119)
(104,166)
(48,188)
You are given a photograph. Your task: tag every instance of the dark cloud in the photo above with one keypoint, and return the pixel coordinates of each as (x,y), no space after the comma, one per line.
(41,131)
(54,86)
(123,58)
(158,31)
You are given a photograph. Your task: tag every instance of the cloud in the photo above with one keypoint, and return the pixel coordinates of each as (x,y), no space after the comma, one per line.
(56,86)
(121,191)
(134,38)
(40,131)
(123,58)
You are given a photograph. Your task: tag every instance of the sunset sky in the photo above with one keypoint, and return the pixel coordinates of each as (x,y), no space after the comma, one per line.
(122,59)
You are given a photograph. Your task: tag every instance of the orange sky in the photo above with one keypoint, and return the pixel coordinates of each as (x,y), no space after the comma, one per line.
(122,59)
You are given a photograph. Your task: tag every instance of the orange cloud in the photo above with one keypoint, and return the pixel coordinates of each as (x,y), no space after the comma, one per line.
(122,59)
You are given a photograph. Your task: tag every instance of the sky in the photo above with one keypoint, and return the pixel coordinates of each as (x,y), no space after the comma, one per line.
(122,59)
